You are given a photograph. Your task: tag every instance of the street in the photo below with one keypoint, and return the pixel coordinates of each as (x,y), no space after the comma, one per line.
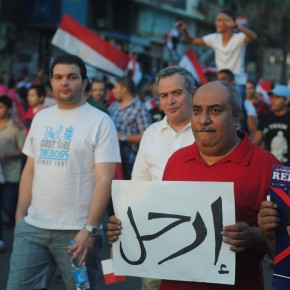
(132,283)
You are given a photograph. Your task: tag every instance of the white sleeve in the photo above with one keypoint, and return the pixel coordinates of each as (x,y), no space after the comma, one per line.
(106,142)
(210,39)
(250,109)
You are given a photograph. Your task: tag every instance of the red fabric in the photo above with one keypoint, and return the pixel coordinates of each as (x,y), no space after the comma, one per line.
(119,171)
(94,41)
(29,117)
(111,278)
(250,168)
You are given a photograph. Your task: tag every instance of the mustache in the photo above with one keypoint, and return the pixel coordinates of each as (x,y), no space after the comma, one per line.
(205,129)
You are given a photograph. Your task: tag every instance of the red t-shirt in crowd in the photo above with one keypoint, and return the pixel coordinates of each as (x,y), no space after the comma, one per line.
(250,168)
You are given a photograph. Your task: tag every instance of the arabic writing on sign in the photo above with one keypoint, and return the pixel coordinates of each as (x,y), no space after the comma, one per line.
(198,226)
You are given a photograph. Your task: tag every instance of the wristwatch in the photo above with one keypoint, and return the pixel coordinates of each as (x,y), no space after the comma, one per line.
(93,230)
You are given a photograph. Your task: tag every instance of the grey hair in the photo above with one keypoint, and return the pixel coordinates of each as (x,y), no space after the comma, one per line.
(172,70)
(235,98)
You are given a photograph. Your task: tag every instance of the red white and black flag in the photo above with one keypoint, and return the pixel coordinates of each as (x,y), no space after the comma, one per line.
(72,37)
(190,62)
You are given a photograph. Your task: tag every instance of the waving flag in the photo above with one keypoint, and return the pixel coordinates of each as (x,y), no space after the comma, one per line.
(75,38)
(264,87)
(190,62)
(171,40)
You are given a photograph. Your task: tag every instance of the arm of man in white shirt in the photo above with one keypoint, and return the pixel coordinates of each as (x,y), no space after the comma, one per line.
(104,173)
(25,189)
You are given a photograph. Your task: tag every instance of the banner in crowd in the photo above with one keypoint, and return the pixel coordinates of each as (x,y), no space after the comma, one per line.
(190,62)
(72,37)
(172,230)
(264,87)
(171,41)
(280,194)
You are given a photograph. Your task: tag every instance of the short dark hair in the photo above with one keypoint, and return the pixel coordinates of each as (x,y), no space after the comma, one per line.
(40,89)
(70,59)
(6,101)
(227,72)
(172,70)
(128,83)
(229,13)
(235,98)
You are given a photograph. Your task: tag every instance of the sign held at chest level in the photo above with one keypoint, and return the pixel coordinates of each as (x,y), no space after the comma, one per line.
(172,230)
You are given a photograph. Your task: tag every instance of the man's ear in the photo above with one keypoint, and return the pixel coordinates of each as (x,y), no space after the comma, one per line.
(85,83)
(237,116)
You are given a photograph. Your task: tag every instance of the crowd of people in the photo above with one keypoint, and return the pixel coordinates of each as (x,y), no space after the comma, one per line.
(63,141)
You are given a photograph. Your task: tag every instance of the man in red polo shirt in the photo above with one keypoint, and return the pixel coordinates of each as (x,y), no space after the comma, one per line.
(221,153)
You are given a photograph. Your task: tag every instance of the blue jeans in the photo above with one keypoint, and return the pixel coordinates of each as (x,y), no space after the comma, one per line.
(8,201)
(36,254)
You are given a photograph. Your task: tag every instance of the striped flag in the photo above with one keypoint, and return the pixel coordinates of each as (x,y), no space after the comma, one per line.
(264,87)
(190,62)
(109,276)
(74,38)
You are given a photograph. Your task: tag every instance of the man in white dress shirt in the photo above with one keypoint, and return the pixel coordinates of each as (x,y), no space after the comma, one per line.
(175,87)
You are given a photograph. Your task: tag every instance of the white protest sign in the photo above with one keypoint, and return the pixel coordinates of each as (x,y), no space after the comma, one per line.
(172,230)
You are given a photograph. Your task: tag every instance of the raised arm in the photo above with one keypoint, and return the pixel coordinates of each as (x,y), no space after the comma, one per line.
(250,35)
(188,39)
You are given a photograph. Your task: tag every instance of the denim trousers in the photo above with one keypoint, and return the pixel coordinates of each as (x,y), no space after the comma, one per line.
(8,201)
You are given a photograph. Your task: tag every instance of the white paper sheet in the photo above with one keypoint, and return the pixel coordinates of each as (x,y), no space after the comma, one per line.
(189,251)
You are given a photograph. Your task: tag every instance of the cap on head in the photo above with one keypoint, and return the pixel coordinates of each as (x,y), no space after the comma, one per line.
(281,91)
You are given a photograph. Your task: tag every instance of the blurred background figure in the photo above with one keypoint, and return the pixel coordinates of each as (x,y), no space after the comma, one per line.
(249,120)
(152,104)
(131,118)
(88,94)
(11,142)
(35,100)
(262,108)
(274,129)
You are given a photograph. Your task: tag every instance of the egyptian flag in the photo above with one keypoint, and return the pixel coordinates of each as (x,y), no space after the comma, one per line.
(110,277)
(171,40)
(74,38)
(190,62)
(264,87)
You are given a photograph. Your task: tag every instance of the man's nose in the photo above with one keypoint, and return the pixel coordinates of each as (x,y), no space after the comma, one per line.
(204,118)
(170,99)
(64,81)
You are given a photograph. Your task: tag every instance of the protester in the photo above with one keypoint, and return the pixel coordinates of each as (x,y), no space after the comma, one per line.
(262,108)
(35,100)
(11,142)
(98,91)
(131,118)
(92,90)
(152,104)
(175,86)
(221,153)
(274,129)
(65,186)
(228,46)
(49,99)
(249,120)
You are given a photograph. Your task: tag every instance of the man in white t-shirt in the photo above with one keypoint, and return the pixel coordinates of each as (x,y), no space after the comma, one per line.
(176,87)
(65,186)
(229,47)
